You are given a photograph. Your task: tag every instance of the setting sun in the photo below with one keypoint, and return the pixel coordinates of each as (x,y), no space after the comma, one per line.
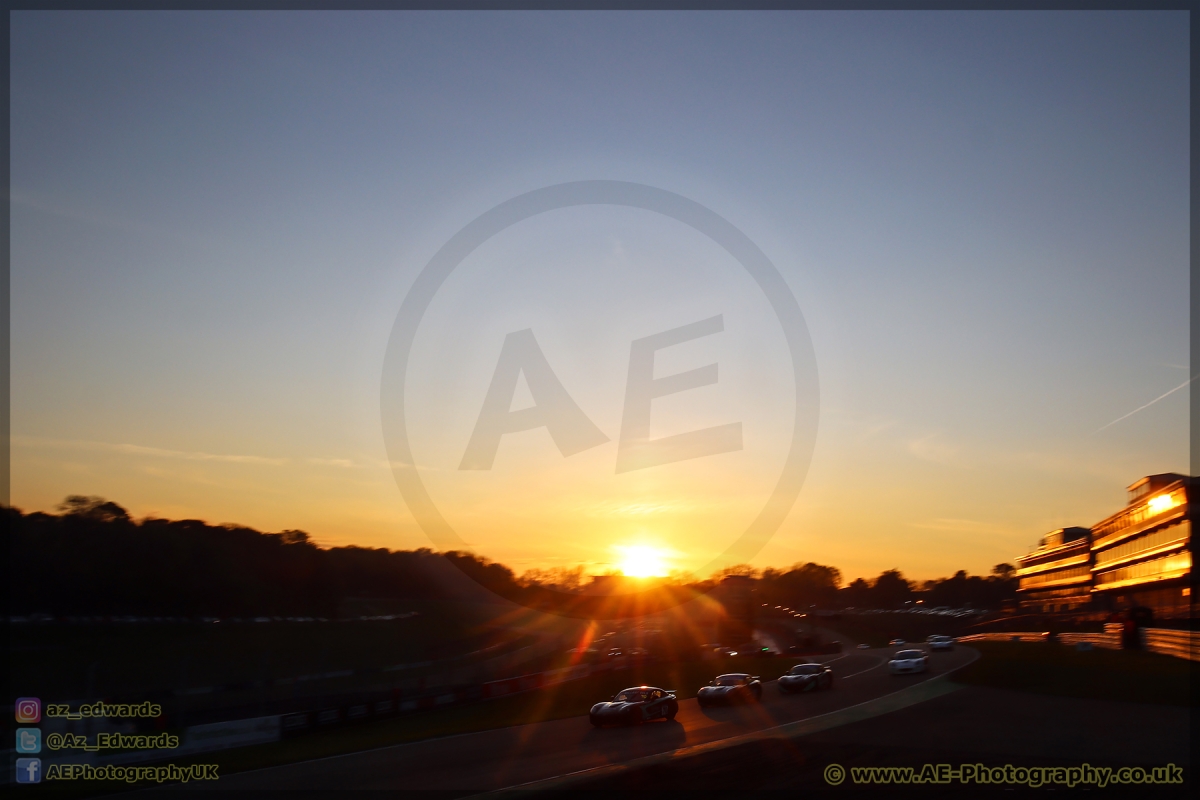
(639,561)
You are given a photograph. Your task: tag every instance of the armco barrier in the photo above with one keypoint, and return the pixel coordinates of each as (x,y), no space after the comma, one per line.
(236,733)
(1109,641)
(260,730)
(452,670)
(1005,636)
(305,721)
(1165,641)
(1180,644)
(196,739)
(525,683)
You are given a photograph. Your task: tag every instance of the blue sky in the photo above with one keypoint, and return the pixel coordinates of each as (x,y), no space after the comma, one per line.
(983,217)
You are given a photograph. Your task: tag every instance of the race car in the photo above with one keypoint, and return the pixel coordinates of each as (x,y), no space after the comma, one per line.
(806,678)
(908,661)
(939,642)
(635,706)
(736,687)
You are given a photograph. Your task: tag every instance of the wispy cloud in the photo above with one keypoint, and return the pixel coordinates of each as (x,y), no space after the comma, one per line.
(142,450)
(341,463)
(196,455)
(1147,405)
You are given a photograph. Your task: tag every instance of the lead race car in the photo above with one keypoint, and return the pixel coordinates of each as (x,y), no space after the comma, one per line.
(636,705)
(806,678)
(736,687)
(907,661)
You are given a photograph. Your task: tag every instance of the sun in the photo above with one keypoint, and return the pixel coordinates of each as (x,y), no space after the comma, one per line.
(640,561)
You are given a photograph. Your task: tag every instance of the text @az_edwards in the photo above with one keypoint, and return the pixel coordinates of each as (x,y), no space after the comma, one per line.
(112,741)
(981,774)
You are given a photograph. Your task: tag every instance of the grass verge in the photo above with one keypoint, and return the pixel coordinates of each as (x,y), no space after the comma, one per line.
(1055,669)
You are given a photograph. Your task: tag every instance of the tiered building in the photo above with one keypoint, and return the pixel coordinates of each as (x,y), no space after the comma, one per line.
(1139,556)
(1057,576)
(1143,553)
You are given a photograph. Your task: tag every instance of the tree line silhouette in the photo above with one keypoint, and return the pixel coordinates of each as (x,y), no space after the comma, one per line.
(92,558)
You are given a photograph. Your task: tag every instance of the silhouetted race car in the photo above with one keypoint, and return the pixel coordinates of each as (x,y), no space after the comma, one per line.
(806,678)
(736,687)
(635,706)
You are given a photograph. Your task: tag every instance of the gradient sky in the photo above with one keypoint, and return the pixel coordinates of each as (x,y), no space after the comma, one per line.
(983,217)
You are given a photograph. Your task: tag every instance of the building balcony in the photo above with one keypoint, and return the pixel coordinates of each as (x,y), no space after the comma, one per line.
(1143,573)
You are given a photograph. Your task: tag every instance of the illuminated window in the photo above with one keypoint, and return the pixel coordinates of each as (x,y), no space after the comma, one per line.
(1172,566)
(1167,537)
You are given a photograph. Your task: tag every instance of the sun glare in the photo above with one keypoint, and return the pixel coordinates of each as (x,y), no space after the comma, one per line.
(639,561)
(1161,503)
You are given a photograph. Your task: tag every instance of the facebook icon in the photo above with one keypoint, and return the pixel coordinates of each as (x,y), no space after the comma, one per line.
(29,770)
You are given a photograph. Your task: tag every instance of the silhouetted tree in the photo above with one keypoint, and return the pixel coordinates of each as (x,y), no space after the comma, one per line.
(736,570)
(800,586)
(93,508)
(890,589)
(94,560)
(857,594)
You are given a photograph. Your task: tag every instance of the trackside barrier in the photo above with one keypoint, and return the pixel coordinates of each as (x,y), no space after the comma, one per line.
(448,670)
(236,733)
(526,683)
(305,721)
(1165,641)
(1109,641)
(564,674)
(195,739)
(1005,636)
(1180,644)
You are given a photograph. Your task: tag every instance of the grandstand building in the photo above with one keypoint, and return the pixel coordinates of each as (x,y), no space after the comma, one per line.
(1057,575)
(1140,556)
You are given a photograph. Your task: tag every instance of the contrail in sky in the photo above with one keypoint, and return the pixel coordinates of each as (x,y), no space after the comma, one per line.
(1139,408)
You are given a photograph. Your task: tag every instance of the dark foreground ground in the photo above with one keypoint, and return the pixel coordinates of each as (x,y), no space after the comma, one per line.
(1025,705)
(974,725)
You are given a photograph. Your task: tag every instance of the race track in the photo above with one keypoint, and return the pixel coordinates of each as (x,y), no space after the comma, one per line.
(496,759)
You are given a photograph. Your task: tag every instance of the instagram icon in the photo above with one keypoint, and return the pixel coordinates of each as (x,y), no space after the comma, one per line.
(29,709)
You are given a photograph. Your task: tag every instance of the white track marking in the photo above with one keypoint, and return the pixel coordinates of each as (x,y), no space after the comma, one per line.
(861,671)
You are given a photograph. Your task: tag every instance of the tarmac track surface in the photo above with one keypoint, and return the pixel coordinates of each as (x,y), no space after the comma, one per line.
(504,757)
